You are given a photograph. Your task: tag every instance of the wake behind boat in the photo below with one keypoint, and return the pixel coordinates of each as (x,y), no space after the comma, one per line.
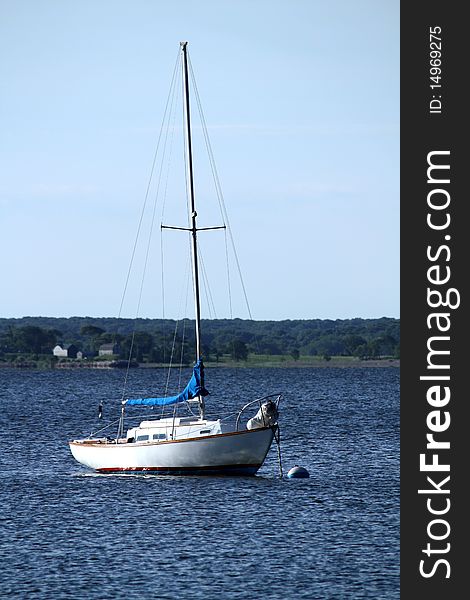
(192,444)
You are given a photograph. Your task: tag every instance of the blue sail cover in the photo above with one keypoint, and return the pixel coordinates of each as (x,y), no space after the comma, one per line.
(194,388)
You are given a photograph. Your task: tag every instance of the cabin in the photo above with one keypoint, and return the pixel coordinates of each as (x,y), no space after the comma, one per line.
(162,430)
(65,351)
(108,349)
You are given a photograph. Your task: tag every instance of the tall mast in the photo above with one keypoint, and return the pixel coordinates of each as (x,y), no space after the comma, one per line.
(192,211)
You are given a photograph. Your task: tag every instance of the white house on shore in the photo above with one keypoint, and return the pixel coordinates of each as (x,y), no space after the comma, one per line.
(66,351)
(108,349)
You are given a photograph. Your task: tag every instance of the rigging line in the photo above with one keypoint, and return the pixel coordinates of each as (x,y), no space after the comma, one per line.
(205,132)
(184,321)
(207,291)
(174,335)
(173,127)
(139,302)
(183,337)
(186,157)
(171,117)
(170,152)
(173,112)
(228,275)
(170,362)
(163,295)
(172,85)
(220,196)
(148,188)
(188,279)
(207,288)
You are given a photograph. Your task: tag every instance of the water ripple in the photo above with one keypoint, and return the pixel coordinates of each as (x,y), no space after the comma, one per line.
(68,533)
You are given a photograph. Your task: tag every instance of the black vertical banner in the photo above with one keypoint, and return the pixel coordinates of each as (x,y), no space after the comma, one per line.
(435,250)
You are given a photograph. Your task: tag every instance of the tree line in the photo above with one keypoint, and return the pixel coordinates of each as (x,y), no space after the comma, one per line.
(162,340)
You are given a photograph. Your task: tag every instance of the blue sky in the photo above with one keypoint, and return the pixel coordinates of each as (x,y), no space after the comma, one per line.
(301,99)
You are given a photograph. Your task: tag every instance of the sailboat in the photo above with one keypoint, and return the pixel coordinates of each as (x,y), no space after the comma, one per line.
(190,444)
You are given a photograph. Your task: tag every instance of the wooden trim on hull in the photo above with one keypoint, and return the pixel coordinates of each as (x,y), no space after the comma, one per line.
(213,470)
(112,444)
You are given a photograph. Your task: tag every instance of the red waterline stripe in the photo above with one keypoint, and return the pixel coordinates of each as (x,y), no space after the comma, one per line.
(181,469)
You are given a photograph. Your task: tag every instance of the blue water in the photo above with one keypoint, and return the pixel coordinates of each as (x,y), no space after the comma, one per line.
(68,533)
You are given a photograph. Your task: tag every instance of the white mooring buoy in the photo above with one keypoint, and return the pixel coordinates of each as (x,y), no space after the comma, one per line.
(297,472)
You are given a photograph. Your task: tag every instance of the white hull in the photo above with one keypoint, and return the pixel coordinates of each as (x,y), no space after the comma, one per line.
(238,453)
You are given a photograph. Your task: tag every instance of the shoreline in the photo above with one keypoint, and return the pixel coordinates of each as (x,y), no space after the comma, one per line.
(335,362)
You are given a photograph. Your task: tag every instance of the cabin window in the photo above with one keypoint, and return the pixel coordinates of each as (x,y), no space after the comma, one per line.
(142,438)
(159,436)
(204,431)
